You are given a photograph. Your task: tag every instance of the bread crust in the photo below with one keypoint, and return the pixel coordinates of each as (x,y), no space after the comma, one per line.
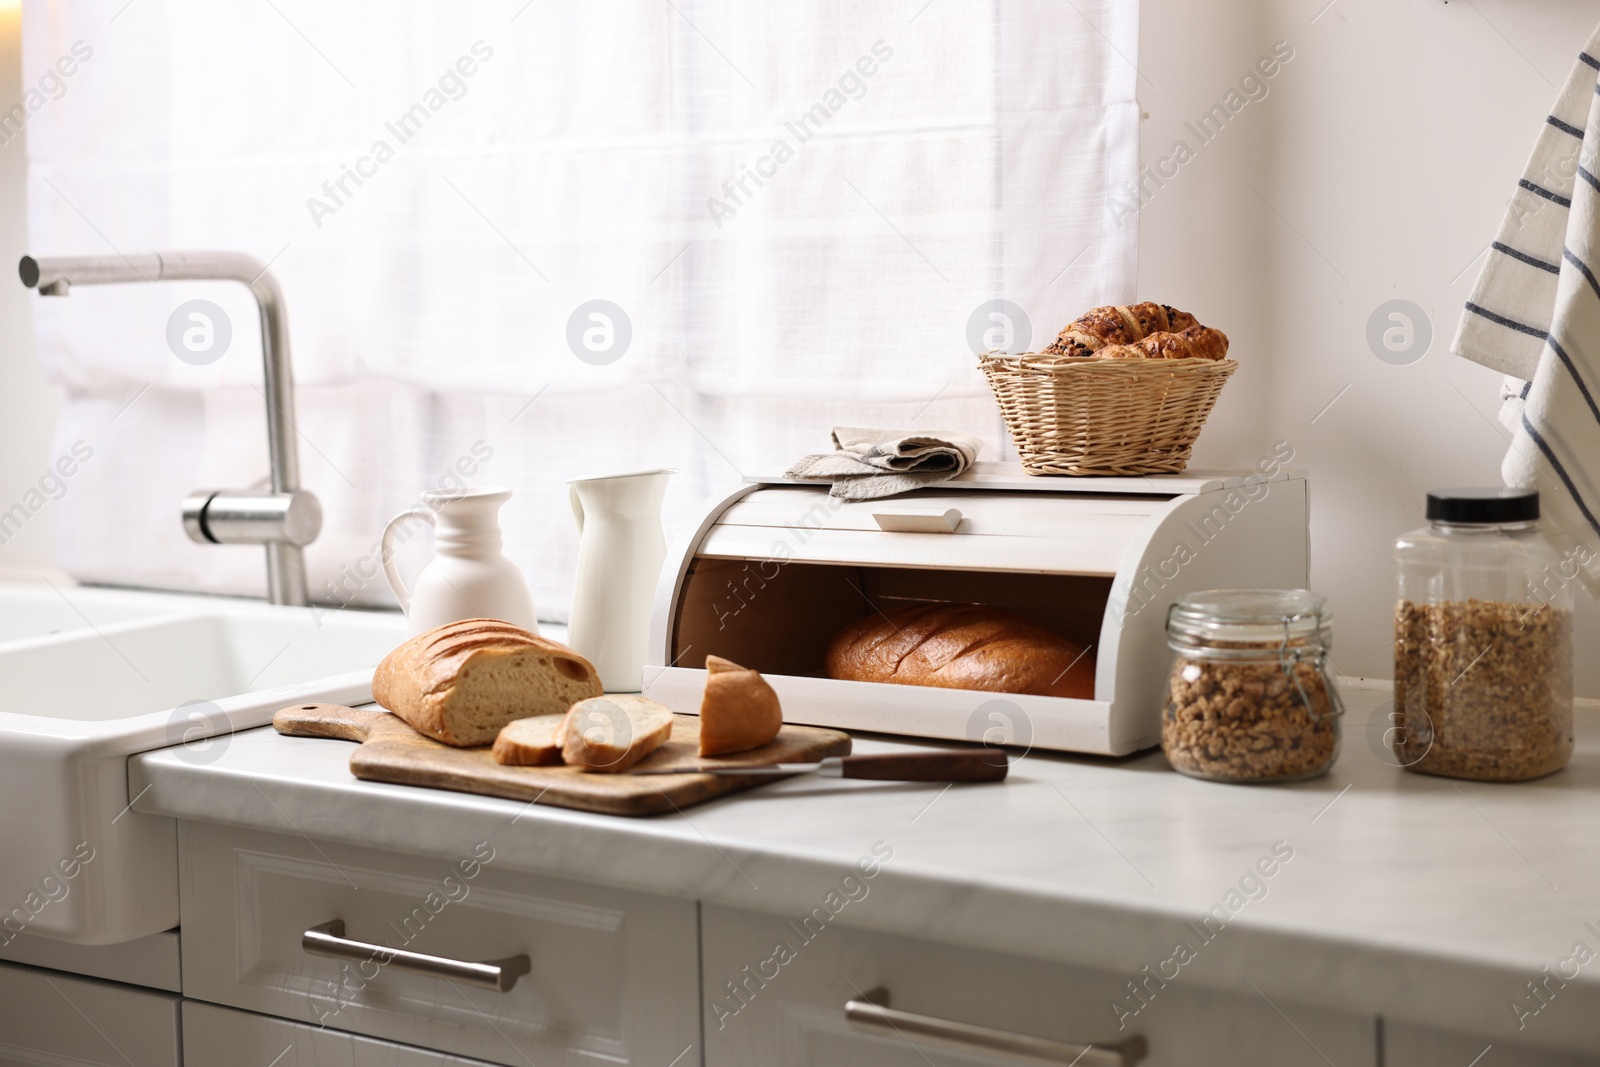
(739,710)
(961,646)
(417,680)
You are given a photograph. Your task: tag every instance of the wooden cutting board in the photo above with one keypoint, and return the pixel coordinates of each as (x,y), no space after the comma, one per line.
(391,751)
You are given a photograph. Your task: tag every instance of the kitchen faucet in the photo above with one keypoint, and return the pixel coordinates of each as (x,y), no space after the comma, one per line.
(284,518)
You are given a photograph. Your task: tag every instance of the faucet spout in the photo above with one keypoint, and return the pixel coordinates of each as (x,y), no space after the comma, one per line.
(55,276)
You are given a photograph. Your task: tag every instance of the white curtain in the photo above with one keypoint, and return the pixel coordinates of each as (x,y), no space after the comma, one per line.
(797,207)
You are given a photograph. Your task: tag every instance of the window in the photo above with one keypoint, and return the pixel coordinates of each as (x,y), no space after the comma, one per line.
(523,242)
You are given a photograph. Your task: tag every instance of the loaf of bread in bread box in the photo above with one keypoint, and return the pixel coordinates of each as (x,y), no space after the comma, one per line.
(961,646)
(461,682)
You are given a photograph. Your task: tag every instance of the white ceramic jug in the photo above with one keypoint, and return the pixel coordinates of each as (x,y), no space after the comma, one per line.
(469,577)
(621,548)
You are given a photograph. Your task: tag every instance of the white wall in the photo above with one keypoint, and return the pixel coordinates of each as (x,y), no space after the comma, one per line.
(1382,158)
(28,404)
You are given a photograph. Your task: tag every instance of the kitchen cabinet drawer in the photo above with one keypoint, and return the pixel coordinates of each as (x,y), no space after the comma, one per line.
(1411,1045)
(612,974)
(148,961)
(48,1019)
(772,997)
(223,1037)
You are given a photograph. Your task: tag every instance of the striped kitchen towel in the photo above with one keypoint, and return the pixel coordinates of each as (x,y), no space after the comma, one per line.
(1513,303)
(1534,315)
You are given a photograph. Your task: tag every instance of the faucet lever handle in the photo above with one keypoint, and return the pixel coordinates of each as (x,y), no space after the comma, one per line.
(252,517)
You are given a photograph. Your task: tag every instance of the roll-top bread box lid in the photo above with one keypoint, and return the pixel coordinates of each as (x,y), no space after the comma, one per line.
(771,573)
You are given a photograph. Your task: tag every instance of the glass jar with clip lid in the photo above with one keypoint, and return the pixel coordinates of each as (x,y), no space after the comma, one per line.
(1251,698)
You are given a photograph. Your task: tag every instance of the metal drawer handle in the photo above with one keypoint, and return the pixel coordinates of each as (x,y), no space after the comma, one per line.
(917,520)
(873,1011)
(328,940)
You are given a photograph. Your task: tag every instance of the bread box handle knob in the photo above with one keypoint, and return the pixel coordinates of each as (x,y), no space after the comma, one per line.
(918,520)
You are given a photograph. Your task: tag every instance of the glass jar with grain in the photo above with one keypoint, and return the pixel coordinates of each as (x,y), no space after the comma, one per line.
(1250,698)
(1482,640)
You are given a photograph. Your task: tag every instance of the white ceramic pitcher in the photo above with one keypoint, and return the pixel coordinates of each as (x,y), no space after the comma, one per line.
(621,547)
(469,577)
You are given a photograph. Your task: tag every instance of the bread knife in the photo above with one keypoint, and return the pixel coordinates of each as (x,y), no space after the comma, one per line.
(942,765)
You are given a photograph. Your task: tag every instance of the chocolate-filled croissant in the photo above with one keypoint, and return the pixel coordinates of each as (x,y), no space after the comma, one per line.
(1118,325)
(1197,342)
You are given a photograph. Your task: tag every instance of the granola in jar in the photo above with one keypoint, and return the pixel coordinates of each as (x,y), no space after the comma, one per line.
(1483,689)
(1250,698)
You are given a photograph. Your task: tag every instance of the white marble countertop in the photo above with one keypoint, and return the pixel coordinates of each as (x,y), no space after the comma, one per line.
(1406,896)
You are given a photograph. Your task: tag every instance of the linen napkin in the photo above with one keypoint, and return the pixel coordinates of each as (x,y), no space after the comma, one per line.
(1534,314)
(868,464)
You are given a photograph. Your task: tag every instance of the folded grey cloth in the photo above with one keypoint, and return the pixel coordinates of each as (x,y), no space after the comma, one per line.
(870,464)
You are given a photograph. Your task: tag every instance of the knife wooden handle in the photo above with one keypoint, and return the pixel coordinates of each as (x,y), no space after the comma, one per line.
(949,765)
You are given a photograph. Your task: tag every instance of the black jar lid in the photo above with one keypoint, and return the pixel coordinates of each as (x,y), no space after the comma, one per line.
(1485,506)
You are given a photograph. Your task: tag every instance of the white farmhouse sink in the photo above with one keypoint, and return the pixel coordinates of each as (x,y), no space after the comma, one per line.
(33,609)
(89,677)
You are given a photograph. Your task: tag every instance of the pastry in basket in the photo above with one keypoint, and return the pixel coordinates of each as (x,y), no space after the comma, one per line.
(1197,342)
(1122,391)
(1118,325)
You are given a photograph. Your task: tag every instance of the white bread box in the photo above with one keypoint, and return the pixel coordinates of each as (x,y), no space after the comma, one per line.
(771,572)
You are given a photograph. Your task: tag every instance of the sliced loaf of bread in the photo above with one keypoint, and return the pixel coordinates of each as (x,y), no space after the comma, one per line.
(532,742)
(461,682)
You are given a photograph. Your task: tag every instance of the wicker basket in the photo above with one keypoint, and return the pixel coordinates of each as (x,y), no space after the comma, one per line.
(1086,416)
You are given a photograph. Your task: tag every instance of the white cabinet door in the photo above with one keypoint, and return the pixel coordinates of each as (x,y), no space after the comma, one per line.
(49,1019)
(1410,1045)
(612,974)
(774,997)
(222,1037)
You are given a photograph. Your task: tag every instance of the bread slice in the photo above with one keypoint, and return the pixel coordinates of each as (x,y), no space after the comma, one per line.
(461,682)
(610,734)
(739,710)
(531,742)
